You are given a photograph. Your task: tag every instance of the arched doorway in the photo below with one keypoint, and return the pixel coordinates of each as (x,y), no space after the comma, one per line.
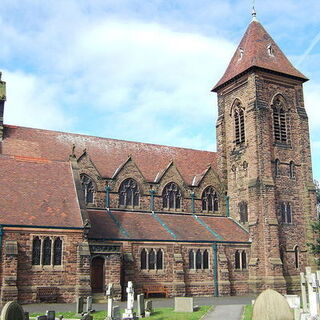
(97,274)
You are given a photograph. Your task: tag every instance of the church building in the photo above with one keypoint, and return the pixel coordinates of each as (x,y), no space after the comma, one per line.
(79,212)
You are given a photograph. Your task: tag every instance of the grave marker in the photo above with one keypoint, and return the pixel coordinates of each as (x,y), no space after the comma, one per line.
(79,305)
(51,315)
(12,311)
(116,313)
(109,293)
(129,314)
(303,292)
(148,308)
(89,304)
(141,310)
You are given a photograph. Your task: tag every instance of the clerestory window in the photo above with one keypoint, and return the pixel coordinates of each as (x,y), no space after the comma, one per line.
(210,200)
(129,193)
(171,196)
(88,188)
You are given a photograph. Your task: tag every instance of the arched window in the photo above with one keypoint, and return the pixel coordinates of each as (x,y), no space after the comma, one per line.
(46,253)
(239,126)
(129,193)
(88,188)
(286,212)
(210,201)
(152,259)
(296,257)
(171,196)
(57,252)
(243,211)
(205,259)
(277,167)
(143,259)
(279,119)
(243,260)
(198,259)
(191,259)
(36,247)
(292,173)
(159,259)
(237,260)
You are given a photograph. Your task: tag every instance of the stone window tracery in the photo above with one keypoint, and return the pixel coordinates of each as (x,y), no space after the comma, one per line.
(46,251)
(286,212)
(239,125)
(151,259)
(129,194)
(88,188)
(171,196)
(240,260)
(279,120)
(198,259)
(210,200)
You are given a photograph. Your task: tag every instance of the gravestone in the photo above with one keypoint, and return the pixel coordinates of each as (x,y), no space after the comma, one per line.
(271,305)
(116,313)
(148,308)
(140,301)
(89,304)
(41,318)
(303,292)
(79,305)
(183,304)
(12,311)
(128,313)
(87,316)
(109,293)
(51,315)
(26,316)
(312,292)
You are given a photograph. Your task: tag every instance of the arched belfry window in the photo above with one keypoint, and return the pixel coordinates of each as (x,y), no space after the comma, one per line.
(210,201)
(243,211)
(279,119)
(88,188)
(239,125)
(129,193)
(171,196)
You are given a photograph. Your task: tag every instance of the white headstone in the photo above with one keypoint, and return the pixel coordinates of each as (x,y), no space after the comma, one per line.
(312,293)
(128,313)
(109,293)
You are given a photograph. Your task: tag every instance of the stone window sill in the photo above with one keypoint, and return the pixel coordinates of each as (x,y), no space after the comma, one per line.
(159,271)
(47,268)
(196,271)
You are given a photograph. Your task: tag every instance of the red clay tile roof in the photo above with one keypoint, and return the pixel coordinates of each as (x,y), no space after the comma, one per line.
(37,192)
(144,226)
(106,154)
(255,44)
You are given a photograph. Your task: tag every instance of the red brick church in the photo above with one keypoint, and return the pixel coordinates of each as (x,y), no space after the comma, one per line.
(78,212)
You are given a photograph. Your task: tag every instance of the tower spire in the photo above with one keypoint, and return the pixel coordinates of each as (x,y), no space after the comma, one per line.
(254,13)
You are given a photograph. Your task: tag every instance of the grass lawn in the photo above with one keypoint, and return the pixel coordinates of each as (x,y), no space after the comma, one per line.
(159,314)
(247,315)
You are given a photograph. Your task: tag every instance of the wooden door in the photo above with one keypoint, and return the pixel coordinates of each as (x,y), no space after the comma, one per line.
(97,274)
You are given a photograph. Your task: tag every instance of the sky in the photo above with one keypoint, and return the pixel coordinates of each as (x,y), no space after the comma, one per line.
(142,70)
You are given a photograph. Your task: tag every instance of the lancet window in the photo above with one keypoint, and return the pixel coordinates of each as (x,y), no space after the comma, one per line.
(239,123)
(240,260)
(292,170)
(151,259)
(129,194)
(88,188)
(296,257)
(210,201)
(198,259)
(47,251)
(279,120)
(286,212)
(171,196)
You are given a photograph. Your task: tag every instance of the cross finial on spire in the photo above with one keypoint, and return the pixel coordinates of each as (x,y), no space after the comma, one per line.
(254,14)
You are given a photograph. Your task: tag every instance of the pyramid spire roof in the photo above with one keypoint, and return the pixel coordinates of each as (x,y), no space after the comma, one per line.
(258,50)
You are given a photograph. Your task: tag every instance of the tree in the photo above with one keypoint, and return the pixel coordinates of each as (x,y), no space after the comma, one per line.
(315,247)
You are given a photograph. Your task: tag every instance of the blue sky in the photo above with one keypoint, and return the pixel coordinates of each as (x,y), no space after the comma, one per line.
(141,70)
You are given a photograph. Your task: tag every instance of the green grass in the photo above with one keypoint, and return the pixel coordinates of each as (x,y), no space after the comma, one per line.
(247,314)
(159,314)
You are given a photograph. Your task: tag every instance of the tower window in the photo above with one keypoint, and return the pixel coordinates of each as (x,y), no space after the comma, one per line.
(239,126)
(296,257)
(210,202)
(277,167)
(243,211)
(292,173)
(171,196)
(129,193)
(279,120)
(88,188)
(286,212)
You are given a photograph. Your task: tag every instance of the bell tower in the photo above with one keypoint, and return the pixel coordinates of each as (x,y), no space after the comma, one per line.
(265,158)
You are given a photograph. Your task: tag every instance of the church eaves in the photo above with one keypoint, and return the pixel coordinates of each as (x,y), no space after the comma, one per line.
(258,50)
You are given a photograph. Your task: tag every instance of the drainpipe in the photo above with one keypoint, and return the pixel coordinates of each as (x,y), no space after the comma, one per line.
(152,192)
(227,206)
(215,270)
(108,189)
(192,202)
